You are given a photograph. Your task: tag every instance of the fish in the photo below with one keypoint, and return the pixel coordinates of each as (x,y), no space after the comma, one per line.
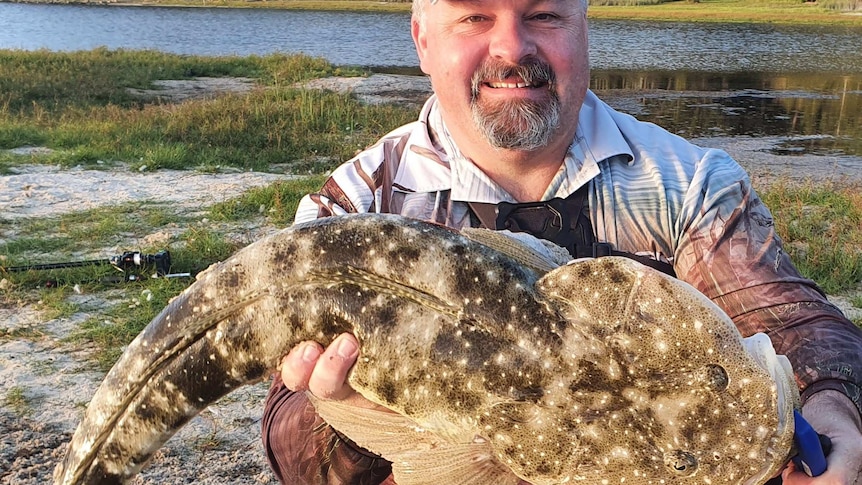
(495,364)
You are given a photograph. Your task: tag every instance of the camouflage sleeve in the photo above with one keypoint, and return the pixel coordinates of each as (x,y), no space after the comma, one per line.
(302,449)
(730,251)
(362,184)
(330,200)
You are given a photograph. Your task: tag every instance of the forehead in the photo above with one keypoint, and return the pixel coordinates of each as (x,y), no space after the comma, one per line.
(492,3)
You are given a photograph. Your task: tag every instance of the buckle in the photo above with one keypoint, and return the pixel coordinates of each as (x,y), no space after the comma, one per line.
(601,249)
(546,220)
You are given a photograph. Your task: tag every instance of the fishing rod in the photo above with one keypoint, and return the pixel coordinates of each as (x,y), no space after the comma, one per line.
(130,263)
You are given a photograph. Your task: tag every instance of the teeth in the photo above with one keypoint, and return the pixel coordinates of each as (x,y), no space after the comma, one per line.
(510,85)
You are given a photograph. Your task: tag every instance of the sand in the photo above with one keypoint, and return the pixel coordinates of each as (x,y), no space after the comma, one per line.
(222,445)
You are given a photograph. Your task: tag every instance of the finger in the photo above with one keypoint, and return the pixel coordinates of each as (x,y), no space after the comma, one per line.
(328,380)
(835,475)
(793,476)
(298,364)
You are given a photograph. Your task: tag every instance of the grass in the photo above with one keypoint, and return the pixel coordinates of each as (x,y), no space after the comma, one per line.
(113,328)
(82,236)
(277,201)
(823,12)
(747,11)
(77,104)
(87,116)
(821,226)
(16,400)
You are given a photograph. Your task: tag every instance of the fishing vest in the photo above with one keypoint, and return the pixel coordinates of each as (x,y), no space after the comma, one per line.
(565,222)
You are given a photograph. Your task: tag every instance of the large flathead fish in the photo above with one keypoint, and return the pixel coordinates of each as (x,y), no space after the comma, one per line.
(601,371)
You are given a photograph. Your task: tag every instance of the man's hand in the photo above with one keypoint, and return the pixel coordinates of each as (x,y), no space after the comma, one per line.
(308,367)
(834,415)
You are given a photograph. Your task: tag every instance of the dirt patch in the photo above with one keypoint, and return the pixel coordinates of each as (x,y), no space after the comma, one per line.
(222,445)
(378,88)
(41,190)
(177,90)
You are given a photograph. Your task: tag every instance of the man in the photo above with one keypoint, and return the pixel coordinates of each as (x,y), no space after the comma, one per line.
(512,121)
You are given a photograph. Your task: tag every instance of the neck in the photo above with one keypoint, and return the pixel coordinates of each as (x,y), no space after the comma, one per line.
(525,175)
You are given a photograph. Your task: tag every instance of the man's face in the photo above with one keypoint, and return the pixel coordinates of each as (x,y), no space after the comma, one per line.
(508,70)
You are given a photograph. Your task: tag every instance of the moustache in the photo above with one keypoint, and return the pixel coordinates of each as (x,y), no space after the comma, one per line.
(532,71)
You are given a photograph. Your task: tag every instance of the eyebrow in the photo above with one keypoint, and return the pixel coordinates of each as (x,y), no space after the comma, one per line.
(432,2)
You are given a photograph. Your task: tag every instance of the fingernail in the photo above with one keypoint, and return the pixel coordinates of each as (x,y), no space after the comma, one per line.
(346,348)
(310,352)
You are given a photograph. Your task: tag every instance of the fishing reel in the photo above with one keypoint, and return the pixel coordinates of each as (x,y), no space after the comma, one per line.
(130,261)
(133,264)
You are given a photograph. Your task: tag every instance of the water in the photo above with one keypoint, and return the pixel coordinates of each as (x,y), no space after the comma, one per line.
(344,38)
(381,39)
(724,47)
(732,79)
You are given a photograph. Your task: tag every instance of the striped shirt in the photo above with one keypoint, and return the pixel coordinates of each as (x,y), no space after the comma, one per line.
(651,193)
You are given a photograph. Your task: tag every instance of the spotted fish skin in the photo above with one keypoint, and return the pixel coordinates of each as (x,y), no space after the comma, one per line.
(600,371)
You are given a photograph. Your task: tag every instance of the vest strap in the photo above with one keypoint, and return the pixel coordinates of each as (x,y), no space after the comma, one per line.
(565,222)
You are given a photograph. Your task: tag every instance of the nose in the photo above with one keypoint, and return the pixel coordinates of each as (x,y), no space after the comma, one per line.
(511,40)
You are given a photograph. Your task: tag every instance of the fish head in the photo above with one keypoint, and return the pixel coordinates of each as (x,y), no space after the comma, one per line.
(657,386)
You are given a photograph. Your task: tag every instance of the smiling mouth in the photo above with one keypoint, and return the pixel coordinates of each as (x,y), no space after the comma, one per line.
(499,85)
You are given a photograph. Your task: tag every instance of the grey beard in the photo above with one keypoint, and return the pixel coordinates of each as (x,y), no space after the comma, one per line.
(517,124)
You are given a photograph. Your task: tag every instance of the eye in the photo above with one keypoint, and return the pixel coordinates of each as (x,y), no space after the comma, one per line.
(544,17)
(681,463)
(473,19)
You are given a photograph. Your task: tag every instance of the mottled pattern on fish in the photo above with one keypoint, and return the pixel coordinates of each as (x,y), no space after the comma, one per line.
(601,371)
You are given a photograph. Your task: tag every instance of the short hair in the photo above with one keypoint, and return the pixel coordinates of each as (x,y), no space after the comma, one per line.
(418,7)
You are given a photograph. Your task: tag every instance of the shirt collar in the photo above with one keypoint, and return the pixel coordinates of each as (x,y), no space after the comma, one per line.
(432,162)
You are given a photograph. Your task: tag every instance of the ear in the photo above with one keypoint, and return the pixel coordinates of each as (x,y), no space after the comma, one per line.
(420,40)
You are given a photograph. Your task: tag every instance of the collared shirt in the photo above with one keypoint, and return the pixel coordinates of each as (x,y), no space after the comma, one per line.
(651,193)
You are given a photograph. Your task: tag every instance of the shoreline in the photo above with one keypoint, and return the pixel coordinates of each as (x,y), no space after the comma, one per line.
(722,11)
(53,378)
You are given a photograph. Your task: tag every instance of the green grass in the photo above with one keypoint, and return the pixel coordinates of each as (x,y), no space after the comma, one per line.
(199,242)
(276,201)
(823,12)
(746,11)
(77,104)
(112,329)
(16,400)
(821,226)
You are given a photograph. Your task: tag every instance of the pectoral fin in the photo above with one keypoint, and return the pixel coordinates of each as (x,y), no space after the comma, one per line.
(541,256)
(418,457)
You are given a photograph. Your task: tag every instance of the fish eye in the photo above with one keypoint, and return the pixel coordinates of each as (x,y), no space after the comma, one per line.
(716,377)
(681,463)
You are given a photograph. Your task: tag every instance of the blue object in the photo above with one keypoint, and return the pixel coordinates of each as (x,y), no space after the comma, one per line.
(811,455)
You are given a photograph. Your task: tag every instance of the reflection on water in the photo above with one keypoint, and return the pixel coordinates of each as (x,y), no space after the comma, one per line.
(696,79)
(383,39)
(635,44)
(825,109)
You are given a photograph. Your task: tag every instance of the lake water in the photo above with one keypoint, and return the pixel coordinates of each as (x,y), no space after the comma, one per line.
(768,80)
(380,39)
